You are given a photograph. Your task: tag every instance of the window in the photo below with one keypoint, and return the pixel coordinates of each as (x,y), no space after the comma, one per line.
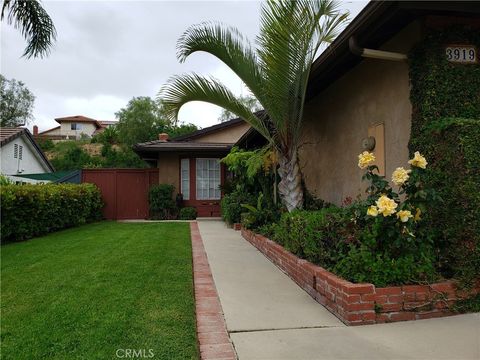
(15,151)
(185,178)
(208,179)
(75,126)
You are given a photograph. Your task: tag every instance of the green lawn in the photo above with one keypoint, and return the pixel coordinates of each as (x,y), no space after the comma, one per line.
(86,292)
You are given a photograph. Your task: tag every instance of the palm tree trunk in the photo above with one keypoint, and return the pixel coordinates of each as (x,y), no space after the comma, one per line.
(290,185)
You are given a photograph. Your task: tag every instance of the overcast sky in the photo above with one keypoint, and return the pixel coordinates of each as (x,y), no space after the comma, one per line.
(110,51)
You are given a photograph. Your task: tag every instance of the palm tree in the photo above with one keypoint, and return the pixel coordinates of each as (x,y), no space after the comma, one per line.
(34,23)
(276,72)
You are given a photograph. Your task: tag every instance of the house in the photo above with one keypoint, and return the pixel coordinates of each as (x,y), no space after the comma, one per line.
(73,128)
(20,154)
(359,94)
(192,162)
(358,99)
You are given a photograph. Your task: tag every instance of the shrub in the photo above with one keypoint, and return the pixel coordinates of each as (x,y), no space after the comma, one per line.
(31,210)
(187,213)
(394,247)
(263,214)
(45,144)
(318,236)
(231,205)
(361,264)
(162,204)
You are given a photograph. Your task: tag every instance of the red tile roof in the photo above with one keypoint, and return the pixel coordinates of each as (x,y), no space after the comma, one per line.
(78,118)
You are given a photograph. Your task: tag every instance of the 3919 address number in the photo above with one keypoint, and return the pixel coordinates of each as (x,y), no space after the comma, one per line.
(461,54)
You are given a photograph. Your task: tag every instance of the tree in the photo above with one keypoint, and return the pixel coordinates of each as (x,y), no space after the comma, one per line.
(276,72)
(249,101)
(16,103)
(143,119)
(34,23)
(140,121)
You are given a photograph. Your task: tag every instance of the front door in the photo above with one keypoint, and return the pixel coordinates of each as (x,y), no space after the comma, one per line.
(200,180)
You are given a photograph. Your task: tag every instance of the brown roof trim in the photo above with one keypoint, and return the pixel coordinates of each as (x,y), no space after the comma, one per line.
(78,118)
(12,135)
(46,131)
(373,26)
(175,146)
(210,129)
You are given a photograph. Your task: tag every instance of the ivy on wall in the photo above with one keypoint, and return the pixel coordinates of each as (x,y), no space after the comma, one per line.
(445,98)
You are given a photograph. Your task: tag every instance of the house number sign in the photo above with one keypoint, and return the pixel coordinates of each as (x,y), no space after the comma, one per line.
(465,54)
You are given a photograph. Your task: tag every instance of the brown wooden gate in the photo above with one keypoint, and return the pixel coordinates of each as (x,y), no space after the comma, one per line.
(124,191)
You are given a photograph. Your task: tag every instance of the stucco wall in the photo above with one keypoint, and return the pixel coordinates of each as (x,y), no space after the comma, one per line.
(30,163)
(228,136)
(336,121)
(87,128)
(168,170)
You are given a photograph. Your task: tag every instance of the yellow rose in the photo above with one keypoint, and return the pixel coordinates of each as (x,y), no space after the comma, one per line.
(386,206)
(372,211)
(404,215)
(400,176)
(365,159)
(418,161)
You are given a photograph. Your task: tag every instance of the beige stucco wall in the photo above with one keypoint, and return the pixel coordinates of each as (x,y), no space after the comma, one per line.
(87,129)
(228,136)
(337,120)
(168,170)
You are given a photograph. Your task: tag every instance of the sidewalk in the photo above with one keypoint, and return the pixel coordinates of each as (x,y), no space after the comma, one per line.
(269,317)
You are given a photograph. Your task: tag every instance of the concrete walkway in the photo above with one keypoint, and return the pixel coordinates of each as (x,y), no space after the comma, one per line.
(269,317)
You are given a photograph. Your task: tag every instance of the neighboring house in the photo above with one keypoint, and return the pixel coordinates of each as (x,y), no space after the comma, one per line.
(352,97)
(20,154)
(74,128)
(192,162)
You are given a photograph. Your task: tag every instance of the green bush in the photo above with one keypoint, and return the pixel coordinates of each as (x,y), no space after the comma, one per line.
(317,236)
(45,144)
(361,264)
(231,205)
(162,205)
(32,210)
(263,214)
(187,213)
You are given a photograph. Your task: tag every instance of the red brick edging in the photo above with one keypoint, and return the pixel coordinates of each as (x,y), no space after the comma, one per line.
(361,304)
(212,332)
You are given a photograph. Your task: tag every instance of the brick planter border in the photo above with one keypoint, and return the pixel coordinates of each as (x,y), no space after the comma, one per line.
(361,304)
(212,335)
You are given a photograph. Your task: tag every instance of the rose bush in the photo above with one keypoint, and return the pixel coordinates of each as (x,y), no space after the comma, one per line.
(394,246)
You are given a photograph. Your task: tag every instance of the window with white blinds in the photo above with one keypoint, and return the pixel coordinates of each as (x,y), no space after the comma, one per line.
(185,178)
(208,179)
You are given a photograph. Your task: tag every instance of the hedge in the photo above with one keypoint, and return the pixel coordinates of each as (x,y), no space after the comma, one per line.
(446,129)
(32,210)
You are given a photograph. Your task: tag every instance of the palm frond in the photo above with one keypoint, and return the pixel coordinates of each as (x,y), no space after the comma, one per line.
(180,90)
(228,45)
(34,23)
(291,34)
